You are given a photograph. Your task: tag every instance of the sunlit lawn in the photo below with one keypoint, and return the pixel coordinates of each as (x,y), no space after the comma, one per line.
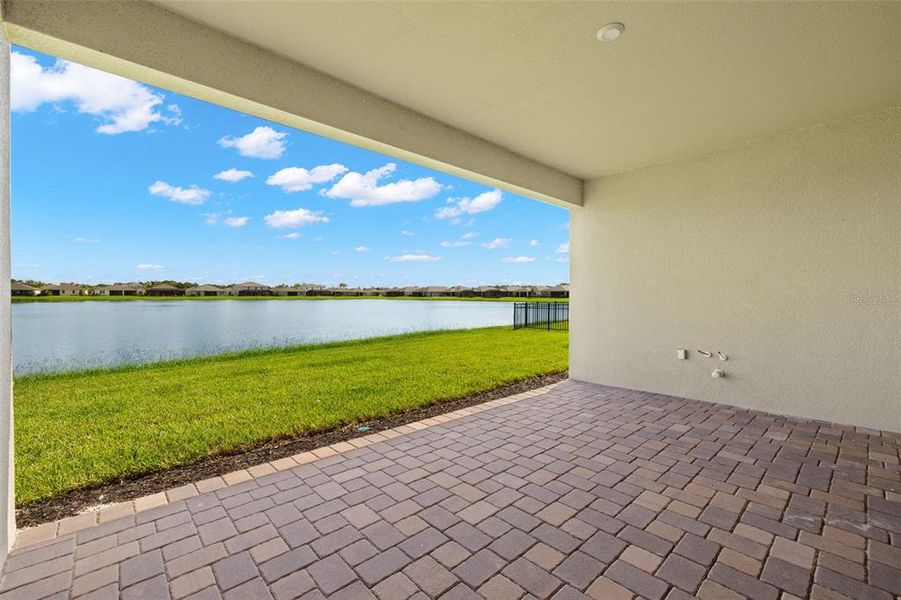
(88,427)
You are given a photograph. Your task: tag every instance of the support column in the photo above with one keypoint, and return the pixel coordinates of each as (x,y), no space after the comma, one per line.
(7,492)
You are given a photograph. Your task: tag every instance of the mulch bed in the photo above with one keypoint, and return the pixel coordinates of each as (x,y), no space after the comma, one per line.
(134,486)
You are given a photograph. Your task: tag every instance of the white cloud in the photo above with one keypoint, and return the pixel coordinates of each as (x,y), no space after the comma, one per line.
(85,240)
(148,267)
(457,207)
(563,248)
(122,105)
(291,236)
(298,179)
(236,221)
(497,243)
(294,218)
(406,233)
(562,259)
(465,240)
(262,142)
(361,249)
(191,195)
(413,258)
(224,217)
(364,189)
(232,175)
(518,260)
(533,243)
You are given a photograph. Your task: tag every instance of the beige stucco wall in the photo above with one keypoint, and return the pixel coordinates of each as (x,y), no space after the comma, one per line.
(7,495)
(784,253)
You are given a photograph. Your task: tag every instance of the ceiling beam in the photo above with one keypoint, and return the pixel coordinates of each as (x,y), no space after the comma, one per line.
(148,43)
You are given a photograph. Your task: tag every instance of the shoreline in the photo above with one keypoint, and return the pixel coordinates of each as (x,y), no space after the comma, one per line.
(79,429)
(267,351)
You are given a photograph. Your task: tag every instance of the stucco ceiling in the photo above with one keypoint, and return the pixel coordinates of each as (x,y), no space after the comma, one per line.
(532,77)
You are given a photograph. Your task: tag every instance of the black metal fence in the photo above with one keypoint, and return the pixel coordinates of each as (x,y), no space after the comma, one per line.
(541,315)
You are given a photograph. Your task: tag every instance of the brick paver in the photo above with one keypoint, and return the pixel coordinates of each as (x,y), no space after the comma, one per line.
(573,491)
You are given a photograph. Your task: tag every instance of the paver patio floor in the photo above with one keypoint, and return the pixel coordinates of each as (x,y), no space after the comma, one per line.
(580,491)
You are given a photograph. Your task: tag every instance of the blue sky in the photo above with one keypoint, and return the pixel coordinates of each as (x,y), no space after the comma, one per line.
(113,180)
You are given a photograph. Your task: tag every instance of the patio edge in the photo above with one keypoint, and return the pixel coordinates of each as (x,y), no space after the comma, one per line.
(98,515)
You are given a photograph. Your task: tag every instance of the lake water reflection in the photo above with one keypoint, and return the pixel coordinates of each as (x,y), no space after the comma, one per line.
(62,336)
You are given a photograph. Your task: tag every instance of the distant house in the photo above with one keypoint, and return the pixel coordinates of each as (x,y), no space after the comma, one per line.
(120,289)
(394,292)
(436,291)
(251,288)
(206,290)
(164,290)
(516,291)
(414,291)
(63,289)
(23,289)
(310,289)
(346,291)
(286,290)
(487,291)
(559,291)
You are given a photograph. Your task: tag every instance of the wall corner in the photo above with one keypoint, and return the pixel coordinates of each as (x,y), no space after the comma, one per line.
(7,491)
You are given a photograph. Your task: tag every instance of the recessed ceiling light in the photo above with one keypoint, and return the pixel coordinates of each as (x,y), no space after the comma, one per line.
(611,31)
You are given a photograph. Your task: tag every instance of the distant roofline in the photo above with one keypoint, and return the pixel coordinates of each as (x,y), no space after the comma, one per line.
(302,286)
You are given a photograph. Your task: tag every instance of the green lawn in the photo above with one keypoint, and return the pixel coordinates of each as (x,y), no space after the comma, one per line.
(20,299)
(76,429)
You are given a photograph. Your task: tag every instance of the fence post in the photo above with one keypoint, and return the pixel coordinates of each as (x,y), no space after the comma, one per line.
(541,315)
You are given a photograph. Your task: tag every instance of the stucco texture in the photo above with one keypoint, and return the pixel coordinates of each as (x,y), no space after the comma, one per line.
(783,253)
(7,515)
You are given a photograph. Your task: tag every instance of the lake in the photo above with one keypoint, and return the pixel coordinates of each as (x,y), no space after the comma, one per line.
(62,336)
